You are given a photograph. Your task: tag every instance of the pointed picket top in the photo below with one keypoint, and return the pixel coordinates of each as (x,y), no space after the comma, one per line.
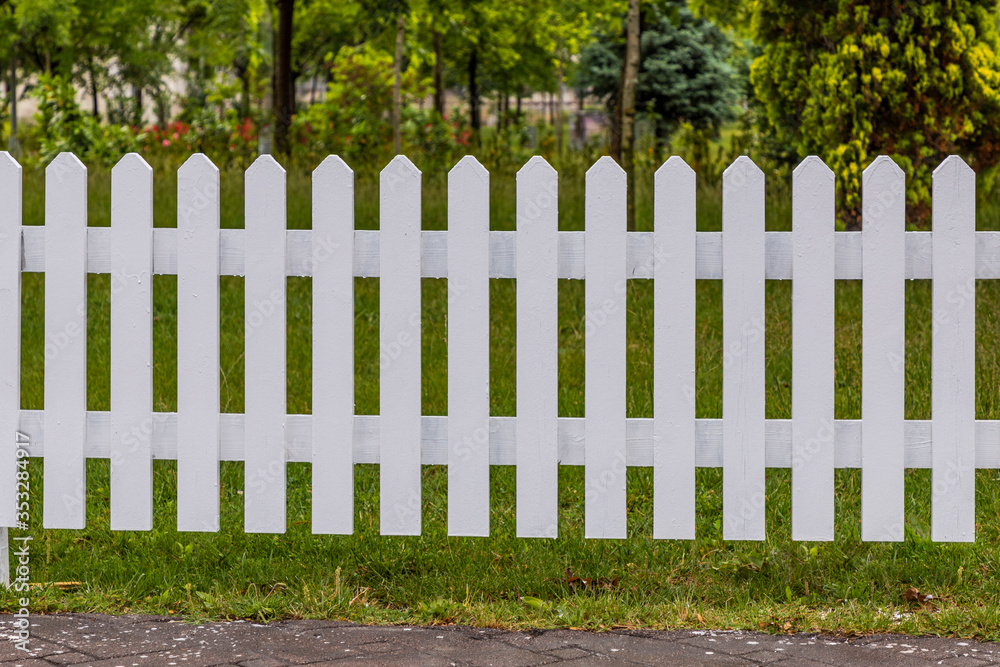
(402,167)
(741,166)
(952,165)
(675,164)
(66,160)
(131,162)
(332,165)
(883,185)
(265,164)
(606,167)
(8,164)
(65,164)
(880,163)
(131,194)
(537,162)
(469,165)
(399,171)
(195,163)
(812,166)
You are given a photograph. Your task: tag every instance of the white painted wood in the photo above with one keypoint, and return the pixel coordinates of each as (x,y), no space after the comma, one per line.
(264,327)
(953,357)
(604,330)
(537,351)
(570,437)
(131,344)
(674,337)
(399,358)
(333,348)
(503,263)
(883,348)
(65,384)
(468,349)
(198,345)
(743,351)
(10,336)
(812,350)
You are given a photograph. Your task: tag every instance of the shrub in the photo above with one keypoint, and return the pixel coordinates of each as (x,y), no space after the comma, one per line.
(848,80)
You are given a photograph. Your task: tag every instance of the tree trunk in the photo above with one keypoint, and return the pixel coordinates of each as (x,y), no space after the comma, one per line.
(397,102)
(284,97)
(615,130)
(581,127)
(438,75)
(137,95)
(474,120)
(93,91)
(245,94)
(560,120)
(12,143)
(630,78)
(162,102)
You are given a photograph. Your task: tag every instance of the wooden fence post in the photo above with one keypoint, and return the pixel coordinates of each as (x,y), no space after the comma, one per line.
(399,357)
(65,496)
(743,351)
(198,316)
(132,344)
(469,349)
(537,427)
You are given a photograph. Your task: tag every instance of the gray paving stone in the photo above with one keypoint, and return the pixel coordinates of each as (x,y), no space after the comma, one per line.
(568,653)
(37,648)
(963,661)
(764,657)
(67,658)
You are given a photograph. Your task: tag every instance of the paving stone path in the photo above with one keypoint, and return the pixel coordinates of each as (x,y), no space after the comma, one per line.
(133,641)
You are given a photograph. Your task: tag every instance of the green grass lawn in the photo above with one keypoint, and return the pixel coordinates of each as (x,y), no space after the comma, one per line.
(778,585)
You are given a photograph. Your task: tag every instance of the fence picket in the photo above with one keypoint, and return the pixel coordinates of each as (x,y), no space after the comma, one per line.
(605,341)
(953,360)
(333,348)
(743,351)
(469,349)
(882,354)
(65,383)
(131,344)
(198,385)
(399,358)
(10,333)
(264,326)
(674,351)
(812,350)
(537,395)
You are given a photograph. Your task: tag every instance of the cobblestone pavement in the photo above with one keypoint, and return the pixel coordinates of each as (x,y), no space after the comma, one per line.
(132,641)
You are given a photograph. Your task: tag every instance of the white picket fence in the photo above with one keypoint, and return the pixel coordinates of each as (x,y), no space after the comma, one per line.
(469,440)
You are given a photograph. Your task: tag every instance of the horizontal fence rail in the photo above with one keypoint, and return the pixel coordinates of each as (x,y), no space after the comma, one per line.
(953,444)
(639,263)
(571,440)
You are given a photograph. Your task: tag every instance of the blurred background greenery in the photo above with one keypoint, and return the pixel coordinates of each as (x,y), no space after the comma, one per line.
(508,79)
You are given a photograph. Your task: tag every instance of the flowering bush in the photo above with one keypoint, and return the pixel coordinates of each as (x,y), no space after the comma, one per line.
(223,139)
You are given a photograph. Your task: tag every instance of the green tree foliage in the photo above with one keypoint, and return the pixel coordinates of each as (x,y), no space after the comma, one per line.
(683,74)
(849,80)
